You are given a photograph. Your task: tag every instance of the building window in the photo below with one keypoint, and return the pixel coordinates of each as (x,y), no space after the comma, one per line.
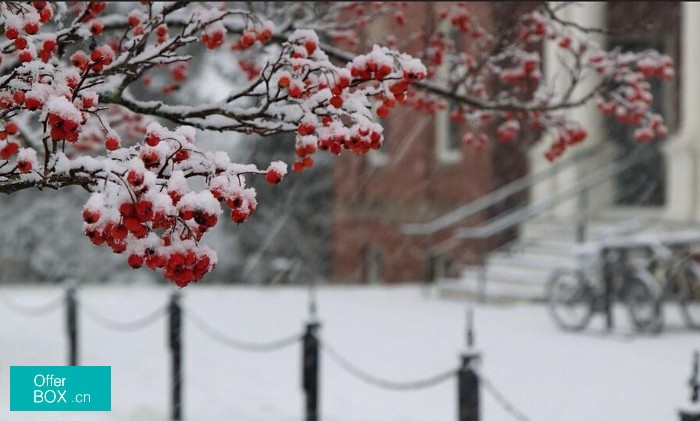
(448,133)
(380,157)
(644,182)
(448,136)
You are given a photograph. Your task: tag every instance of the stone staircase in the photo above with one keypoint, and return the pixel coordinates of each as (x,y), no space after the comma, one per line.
(520,270)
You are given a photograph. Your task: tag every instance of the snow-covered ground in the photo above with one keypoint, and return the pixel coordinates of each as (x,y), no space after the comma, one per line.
(396,333)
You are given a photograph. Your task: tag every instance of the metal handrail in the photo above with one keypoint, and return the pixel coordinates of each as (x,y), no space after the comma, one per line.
(509,220)
(484,202)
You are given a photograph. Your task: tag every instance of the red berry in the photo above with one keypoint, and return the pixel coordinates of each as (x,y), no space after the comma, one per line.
(11,128)
(186,214)
(179,73)
(96,27)
(25,56)
(135,178)
(119,232)
(295,91)
(162,30)
(21,43)
(283,82)
(11,33)
(152,139)
(45,14)
(133,20)
(247,39)
(90,216)
(31,28)
(310,46)
(9,150)
(273,176)
(24,166)
(336,101)
(33,103)
(144,210)
(57,133)
(265,35)
(135,261)
(18,97)
(127,209)
(181,155)
(238,216)
(132,224)
(382,111)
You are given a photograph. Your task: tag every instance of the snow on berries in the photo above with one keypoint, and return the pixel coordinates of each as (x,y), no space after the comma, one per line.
(275,172)
(336,113)
(154,215)
(63,118)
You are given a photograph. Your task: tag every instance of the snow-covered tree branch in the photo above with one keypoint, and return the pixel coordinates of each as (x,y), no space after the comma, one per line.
(77,106)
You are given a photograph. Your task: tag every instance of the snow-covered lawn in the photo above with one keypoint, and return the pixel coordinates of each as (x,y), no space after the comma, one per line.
(396,333)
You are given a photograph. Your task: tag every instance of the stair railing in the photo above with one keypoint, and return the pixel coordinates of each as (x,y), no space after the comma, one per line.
(499,195)
(450,219)
(500,223)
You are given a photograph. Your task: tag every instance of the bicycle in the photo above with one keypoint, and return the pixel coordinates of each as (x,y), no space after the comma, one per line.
(574,295)
(678,271)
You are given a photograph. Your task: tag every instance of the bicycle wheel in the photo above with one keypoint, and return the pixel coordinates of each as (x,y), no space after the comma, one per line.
(644,301)
(569,299)
(689,288)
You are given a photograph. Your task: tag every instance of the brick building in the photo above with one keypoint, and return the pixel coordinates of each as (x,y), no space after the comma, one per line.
(424,171)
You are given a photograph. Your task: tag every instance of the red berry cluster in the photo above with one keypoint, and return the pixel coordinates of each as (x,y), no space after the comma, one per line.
(363,72)
(460,18)
(528,69)
(139,219)
(240,209)
(533,28)
(135,20)
(370,70)
(661,68)
(100,57)
(250,68)
(508,130)
(31,26)
(424,103)
(213,37)
(477,142)
(63,129)
(568,136)
(250,36)
(161,33)
(94,8)
(10,148)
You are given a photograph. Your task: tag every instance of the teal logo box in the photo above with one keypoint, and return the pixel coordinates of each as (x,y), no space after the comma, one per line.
(60,388)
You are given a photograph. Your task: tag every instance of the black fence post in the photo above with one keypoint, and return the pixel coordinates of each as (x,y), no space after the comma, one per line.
(468,380)
(694,383)
(606,257)
(468,390)
(72,325)
(175,339)
(310,370)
